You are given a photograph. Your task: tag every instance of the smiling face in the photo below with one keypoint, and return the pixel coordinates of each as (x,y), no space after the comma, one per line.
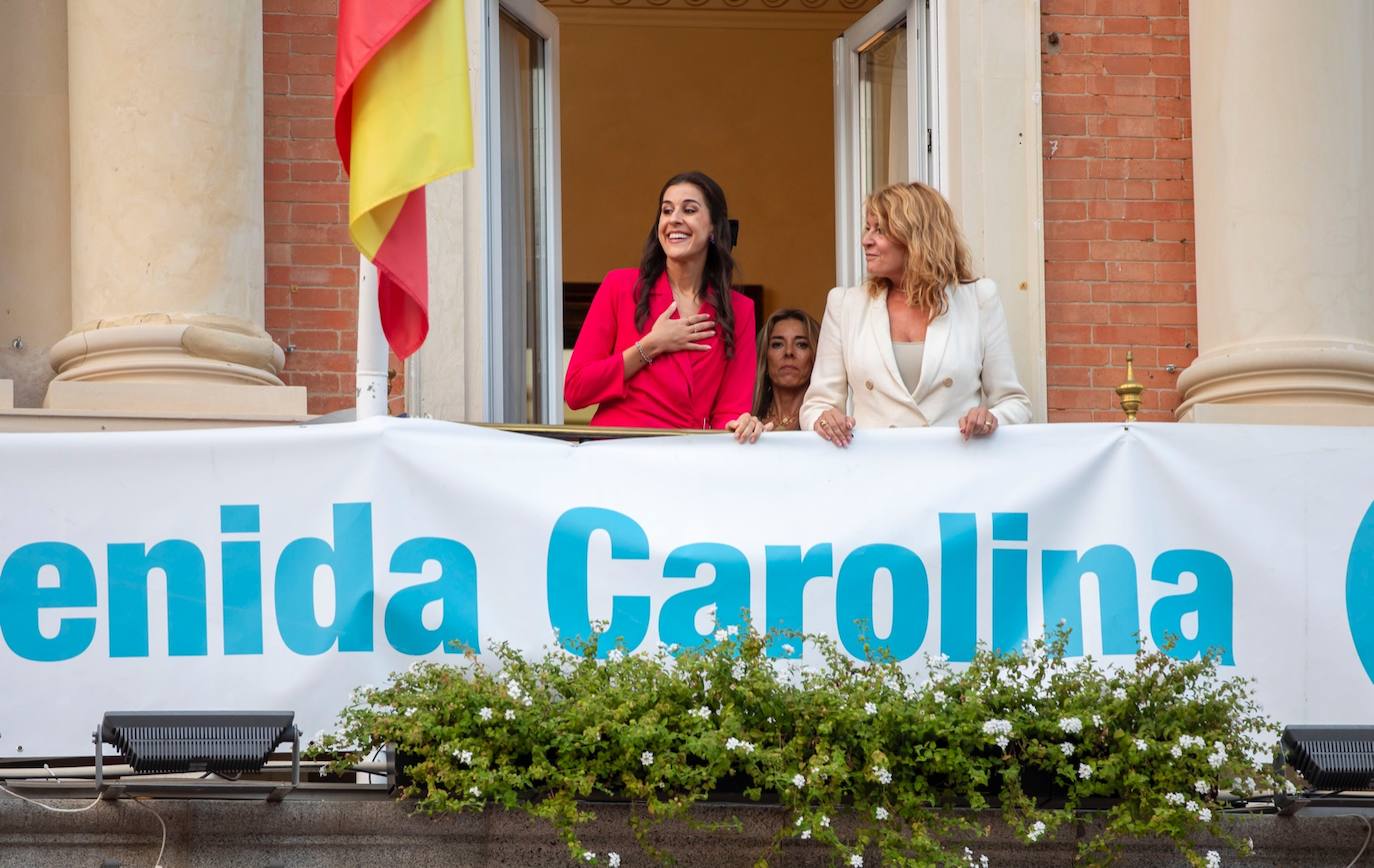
(883,256)
(684,222)
(790,355)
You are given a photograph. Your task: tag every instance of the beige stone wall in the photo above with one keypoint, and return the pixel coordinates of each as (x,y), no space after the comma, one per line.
(647,93)
(35,280)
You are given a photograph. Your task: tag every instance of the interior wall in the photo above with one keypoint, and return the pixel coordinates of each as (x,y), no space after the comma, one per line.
(645,96)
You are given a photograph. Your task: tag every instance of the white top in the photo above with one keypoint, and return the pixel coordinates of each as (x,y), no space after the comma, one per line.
(908,355)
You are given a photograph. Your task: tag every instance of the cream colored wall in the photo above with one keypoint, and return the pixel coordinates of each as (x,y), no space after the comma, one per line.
(35,231)
(751,107)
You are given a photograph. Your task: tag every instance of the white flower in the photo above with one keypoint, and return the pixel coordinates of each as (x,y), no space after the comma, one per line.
(1175,798)
(474,792)
(720,635)
(799,820)
(825,821)
(870,708)
(1067,748)
(647,758)
(703,712)
(856,861)
(1140,744)
(527,702)
(515,690)
(806,834)
(484,713)
(1218,756)
(1213,859)
(732,630)
(613,859)
(1071,725)
(882,774)
(615,655)
(1119,694)
(463,756)
(1289,788)
(674,648)
(880,813)
(1176,751)
(510,714)
(739,670)
(589,856)
(1201,787)
(788,649)
(1085,771)
(938,696)
(1205,815)
(798,781)
(1190,806)
(1097,720)
(1000,729)
(1036,830)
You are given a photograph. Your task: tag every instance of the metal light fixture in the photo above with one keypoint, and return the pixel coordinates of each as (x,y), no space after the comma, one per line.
(1331,757)
(177,742)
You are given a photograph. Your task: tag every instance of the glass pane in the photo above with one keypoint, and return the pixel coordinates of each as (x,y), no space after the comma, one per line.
(521,198)
(883,81)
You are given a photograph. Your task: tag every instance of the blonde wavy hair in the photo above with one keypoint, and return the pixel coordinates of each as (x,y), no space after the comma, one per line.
(916,217)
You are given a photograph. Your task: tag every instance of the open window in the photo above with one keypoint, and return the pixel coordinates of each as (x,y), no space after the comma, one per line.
(523,232)
(884,128)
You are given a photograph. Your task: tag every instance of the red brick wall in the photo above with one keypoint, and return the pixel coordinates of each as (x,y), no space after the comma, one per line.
(312,267)
(1119,270)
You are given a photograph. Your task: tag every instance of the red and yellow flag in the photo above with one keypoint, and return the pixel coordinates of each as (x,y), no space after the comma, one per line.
(402,118)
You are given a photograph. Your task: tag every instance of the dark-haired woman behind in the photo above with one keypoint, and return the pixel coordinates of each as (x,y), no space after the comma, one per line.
(670,344)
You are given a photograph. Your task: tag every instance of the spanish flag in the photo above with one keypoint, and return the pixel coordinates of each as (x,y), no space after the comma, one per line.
(402,118)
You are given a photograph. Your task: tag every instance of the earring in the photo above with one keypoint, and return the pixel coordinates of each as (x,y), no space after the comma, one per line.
(712,240)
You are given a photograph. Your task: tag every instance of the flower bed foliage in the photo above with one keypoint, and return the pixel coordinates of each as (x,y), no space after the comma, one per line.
(1031,734)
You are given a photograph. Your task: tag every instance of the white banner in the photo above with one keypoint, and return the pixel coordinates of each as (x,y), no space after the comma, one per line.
(280,568)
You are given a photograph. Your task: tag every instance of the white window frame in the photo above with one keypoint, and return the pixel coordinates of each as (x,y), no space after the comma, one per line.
(544,25)
(851,127)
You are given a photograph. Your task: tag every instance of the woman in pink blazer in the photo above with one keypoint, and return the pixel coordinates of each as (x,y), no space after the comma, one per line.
(670,345)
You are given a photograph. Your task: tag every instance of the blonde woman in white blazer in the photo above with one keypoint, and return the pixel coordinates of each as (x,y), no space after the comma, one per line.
(922,342)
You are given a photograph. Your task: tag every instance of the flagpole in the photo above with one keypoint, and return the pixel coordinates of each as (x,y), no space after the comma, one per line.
(371,391)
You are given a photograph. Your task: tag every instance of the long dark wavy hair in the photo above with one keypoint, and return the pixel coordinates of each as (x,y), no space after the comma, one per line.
(719,273)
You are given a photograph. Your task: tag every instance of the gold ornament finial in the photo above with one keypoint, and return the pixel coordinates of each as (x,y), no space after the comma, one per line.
(1130,391)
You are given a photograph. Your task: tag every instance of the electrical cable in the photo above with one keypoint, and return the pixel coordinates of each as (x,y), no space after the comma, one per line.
(1368,833)
(162,847)
(52,808)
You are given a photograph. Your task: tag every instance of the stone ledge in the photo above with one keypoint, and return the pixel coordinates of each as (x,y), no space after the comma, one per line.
(303,833)
(34,421)
(187,398)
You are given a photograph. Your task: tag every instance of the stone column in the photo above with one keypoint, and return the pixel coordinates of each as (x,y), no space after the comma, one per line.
(166,102)
(1283,162)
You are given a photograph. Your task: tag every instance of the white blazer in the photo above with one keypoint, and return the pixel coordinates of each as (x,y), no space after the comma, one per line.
(966,363)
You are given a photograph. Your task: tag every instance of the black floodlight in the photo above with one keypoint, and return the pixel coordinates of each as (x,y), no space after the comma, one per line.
(1331,757)
(226,743)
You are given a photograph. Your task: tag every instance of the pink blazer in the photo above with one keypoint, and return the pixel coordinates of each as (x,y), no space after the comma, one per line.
(686,389)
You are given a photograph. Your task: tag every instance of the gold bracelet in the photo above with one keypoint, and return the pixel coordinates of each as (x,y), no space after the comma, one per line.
(642,355)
